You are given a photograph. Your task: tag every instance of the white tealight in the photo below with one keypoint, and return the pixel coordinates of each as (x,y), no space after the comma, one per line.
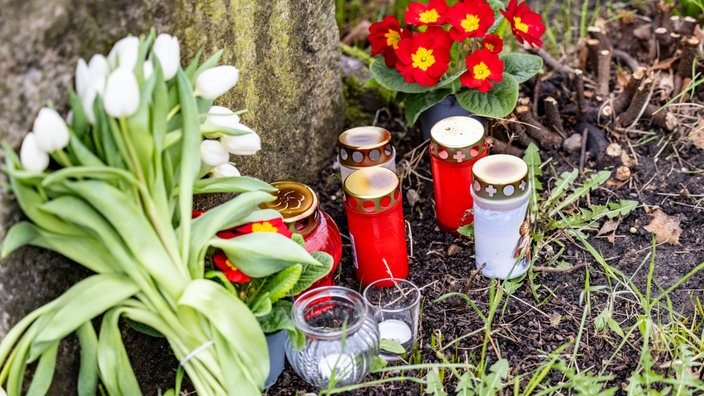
(395,330)
(341,364)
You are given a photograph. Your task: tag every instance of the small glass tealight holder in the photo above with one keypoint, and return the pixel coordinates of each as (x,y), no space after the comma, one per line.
(395,304)
(341,337)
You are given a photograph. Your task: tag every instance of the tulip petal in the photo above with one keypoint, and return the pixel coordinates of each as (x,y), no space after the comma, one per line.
(225,170)
(246,144)
(50,130)
(167,50)
(121,93)
(32,158)
(216,81)
(213,153)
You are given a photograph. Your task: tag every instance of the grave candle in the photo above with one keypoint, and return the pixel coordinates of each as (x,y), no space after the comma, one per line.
(365,146)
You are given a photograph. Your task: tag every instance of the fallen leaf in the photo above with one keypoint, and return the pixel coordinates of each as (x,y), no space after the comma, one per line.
(696,136)
(453,249)
(555,319)
(666,228)
(609,226)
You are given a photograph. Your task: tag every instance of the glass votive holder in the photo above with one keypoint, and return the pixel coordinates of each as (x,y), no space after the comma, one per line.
(341,337)
(395,303)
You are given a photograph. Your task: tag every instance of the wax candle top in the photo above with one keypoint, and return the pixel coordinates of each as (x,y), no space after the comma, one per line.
(365,146)
(297,204)
(372,189)
(341,364)
(500,177)
(395,330)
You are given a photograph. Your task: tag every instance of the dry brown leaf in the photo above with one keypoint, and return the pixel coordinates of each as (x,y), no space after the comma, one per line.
(666,228)
(696,136)
(609,226)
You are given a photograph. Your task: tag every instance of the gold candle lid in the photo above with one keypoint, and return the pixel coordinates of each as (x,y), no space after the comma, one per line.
(365,146)
(500,177)
(372,190)
(457,139)
(297,204)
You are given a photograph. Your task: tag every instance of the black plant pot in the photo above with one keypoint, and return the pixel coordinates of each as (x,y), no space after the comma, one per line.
(448,107)
(277,355)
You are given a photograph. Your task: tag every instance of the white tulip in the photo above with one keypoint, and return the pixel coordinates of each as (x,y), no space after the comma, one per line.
(225,170)
(32,158)
(147,69)
(168,52)
(50,130)
(124,53)
(87,101)
(82,76)
(222,117)
(246,144)
(216,81)
(213,153)
(99,69)
(121,97)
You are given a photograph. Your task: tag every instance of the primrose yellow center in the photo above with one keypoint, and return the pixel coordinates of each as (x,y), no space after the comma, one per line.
(423,58)
(392,38)
(430,16)
(520,25)
(230,265)
(488,46)
(470,23)
(481,71)
(263,227)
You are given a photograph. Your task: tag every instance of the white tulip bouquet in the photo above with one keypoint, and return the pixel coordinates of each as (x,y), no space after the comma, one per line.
(112,189)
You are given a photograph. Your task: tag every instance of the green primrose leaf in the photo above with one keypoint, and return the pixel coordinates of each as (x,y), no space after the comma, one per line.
(415,104)
(498,102)
(312,273)
(279,285)
(278,319)
(467,230)
(522,66)
(390,78)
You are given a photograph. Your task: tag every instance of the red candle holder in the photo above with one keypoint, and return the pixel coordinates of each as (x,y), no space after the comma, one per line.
(456,143)
(373,202)
(299,206)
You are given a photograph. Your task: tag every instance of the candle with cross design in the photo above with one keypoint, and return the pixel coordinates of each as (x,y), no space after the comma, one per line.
(501,190)
(456,143)
(373,203)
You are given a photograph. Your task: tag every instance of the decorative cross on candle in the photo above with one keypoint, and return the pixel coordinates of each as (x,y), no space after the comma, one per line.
(491,190)
(522,186)
(459,156)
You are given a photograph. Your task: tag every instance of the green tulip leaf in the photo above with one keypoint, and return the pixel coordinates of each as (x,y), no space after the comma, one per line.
(44,373)
(88,371)
(262,305)
(498,102)
(117,375)
(236,184)
(253,254)
(522,66)
(238,327)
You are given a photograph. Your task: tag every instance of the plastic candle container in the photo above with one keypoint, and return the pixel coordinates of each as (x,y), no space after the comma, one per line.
(299,206)
(456,143)
(341,337)
(365,146)
(377,229)
(501,220)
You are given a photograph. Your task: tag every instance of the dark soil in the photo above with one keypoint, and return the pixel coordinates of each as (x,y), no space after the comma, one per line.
(530,324)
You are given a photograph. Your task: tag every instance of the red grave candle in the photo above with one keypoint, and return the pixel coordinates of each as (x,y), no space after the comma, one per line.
(456,143)
(298,204)
(373,203)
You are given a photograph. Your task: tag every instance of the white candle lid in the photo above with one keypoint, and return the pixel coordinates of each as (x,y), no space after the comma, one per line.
(457,139)
(500,177)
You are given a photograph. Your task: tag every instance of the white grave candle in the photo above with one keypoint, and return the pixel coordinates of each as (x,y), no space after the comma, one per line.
(395,330)
(342,364)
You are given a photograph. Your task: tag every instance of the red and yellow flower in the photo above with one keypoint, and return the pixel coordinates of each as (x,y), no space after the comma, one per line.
(470,19)
(526,25)
(493,43)
(483,67)
(220,259)
(384,37)
(431,14)
(424,57)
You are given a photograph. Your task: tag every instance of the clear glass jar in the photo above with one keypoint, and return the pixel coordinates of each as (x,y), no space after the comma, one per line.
(341,337)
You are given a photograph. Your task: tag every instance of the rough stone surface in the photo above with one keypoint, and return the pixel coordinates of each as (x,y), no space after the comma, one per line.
(288,55)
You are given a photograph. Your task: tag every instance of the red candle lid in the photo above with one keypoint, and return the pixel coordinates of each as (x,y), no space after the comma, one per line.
(500,177)
(372,190)
(365,146)
(457,139)
(297,204)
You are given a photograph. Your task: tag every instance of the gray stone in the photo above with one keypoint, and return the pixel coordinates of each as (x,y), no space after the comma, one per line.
(288,55)
(573,143)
